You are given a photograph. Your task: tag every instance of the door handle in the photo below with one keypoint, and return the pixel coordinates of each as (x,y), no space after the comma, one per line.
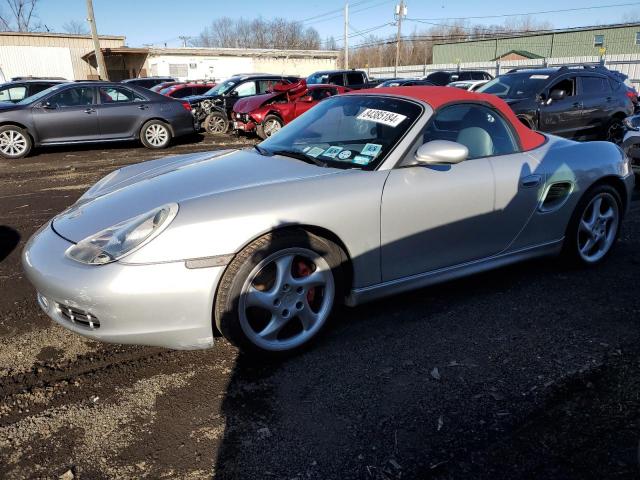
(577,105)
(90,110)
(143,107)
(531,181)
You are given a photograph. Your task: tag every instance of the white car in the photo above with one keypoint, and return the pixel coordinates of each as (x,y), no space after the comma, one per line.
(470,85)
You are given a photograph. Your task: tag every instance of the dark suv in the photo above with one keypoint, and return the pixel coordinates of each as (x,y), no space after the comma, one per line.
(582,103)
(442,78)
(213,109)
(353,79)
(148,82)
(18,90)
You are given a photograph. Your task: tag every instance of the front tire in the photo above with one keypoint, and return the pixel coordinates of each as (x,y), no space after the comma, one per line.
(594,226)
(155,135)
(270,125)
(216,123)
(278,293)
(15,142)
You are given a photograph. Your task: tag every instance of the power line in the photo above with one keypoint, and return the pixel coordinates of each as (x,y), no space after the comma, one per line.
(543,12)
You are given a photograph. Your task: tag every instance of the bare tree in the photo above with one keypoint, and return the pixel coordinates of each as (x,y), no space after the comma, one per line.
(76,27)
(20,16)
(258,33)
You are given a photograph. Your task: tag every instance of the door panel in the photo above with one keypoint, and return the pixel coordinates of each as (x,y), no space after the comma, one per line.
(598,104)
(562,117)
(70,116)
(121,112)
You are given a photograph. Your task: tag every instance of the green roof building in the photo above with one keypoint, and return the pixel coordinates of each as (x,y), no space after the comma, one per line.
(573,42)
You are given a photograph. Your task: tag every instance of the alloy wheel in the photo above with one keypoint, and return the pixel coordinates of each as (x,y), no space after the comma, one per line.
(217,125)
(156,134)
(286,299)
(598,227)
(271,127)
(12,143)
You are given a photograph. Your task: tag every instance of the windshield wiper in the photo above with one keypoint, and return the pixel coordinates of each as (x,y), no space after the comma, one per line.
(299,156)
(262,151)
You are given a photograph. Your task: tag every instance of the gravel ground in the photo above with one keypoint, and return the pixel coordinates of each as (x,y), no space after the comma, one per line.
(531,371)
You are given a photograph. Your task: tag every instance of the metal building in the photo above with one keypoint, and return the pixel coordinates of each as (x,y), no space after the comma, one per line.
(573,42)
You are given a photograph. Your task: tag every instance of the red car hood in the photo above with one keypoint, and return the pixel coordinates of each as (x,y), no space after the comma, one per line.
(249,104)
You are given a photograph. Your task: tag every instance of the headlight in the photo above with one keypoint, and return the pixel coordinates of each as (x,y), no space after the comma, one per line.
(632,123)
(115,242)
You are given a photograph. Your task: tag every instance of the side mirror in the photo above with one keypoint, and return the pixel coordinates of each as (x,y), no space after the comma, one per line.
(233,93)
(438,152)
(557,95)
(306,99)
(48,106)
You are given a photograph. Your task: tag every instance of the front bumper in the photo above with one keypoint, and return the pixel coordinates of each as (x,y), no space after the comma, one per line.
(247,127)
(164,305)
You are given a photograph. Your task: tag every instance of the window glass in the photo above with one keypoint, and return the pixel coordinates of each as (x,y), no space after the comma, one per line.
(354,78)
(321,93)
(483,131)
(182,92)
(317,78)
(37,87)
(595,86)
(73,97)
(637,38)
(265,86)
(336,79)
(516,85)
(13,94)
(598,40)
(118,95)
(567,84)
(345,131)
(246,89)
(439,78)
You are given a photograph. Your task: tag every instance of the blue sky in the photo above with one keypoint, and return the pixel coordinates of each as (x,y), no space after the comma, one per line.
(160,21)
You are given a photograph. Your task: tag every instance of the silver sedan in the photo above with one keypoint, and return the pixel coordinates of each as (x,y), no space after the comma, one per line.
(365,195)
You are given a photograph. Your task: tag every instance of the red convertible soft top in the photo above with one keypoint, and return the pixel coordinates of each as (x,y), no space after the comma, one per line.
(440,96)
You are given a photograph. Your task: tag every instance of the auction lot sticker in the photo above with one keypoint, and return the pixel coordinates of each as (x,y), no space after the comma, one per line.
(381,116)
(331,152)
(372,149)
(315,152)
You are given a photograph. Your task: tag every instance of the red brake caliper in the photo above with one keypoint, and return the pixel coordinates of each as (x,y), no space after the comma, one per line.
(303,270)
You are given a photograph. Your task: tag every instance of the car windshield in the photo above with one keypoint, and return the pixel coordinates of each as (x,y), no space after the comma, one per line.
(354,131)
(516,85)
(392,83)
(221,88)
(39,95)
(318,78)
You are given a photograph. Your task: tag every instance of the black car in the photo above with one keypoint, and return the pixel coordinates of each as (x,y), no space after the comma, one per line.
(404,82)
(148,82)
(213,109)
(581,103)
(18,90)
(353,79)
(84,112)
(442,77)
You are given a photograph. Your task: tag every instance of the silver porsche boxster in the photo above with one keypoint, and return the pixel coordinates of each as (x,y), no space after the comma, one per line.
(365,195)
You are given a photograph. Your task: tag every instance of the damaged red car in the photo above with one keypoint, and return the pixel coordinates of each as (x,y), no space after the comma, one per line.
(268,113)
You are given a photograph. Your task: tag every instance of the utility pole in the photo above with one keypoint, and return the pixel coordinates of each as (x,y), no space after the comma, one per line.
(346,35)
(401,11)
(102,68)
(184,39)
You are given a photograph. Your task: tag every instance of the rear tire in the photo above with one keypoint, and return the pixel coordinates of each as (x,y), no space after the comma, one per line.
(155,135)
(216,123)
(277,294)
(594,226)
(15,142)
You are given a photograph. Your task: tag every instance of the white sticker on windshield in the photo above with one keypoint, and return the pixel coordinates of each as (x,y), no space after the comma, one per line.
(332,152)
(360,160)
(539,77)
(315,152)
(344,155)
(306,149)
(381,116)
(371,149)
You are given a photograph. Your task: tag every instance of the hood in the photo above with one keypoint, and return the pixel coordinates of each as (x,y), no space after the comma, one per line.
(198,98)
(134,190)
(249,104)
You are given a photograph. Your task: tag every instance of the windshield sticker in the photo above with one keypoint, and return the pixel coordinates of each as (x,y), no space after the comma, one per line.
(344,155)
(539,77)
(381,116)
(306,149)
(372,149)
(361,160)
(332,152)
(315,152)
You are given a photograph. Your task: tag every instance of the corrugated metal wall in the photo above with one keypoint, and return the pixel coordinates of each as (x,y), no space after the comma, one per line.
(629,64)
(617,41)
(28,60)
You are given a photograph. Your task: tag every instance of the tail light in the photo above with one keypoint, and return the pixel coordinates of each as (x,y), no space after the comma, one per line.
(186,106)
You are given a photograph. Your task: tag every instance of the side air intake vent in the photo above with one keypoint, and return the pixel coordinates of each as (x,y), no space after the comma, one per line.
(556,195)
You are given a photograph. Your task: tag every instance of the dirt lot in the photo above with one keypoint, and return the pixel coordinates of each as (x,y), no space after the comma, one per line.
(532,371)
